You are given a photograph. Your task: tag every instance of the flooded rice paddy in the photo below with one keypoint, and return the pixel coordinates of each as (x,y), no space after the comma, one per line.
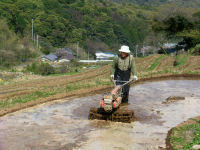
(64,125)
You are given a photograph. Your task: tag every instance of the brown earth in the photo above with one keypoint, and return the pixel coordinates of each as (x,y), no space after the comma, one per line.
(194,63)
(188,63)
(144,64)
(173,99)
(123,114)
(166,63)
(50,82)
(53,81)
(73,94)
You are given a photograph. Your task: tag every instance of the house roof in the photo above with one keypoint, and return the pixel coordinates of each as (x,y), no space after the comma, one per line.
(67,56)
(51,57)
(64,50)
(69,50)
(104,55)
(169,45)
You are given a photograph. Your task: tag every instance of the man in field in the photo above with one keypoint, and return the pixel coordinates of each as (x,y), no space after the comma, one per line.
(121,70)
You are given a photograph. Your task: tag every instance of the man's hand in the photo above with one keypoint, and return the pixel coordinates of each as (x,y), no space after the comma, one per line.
(135,78)
(111,76)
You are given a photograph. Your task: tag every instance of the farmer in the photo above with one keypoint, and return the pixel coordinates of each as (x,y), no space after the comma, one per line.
(123,66)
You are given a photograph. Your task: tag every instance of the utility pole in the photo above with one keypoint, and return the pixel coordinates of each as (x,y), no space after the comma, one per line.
(77,49)
(37,41)
(88,56)
(143,49)
(136,49)
(32,29)
(34,38)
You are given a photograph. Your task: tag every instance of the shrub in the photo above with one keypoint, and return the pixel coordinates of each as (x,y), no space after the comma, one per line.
(46,69)
(42,69)
(195,50)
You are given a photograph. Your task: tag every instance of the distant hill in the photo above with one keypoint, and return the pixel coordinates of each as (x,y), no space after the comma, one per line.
(144,2)
(182,3)
(96,25)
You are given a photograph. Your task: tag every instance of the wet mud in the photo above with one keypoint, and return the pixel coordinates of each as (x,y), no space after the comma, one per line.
(65,124)
(173,99)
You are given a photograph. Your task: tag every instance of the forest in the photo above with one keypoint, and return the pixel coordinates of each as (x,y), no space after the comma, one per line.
(97,25)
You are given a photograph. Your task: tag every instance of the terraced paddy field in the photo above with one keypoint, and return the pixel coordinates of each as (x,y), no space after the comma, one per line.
(71,89)
(23,94)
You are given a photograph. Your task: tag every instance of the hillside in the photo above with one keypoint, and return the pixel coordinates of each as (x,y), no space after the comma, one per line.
(149,3)
(144,2)
(95,25)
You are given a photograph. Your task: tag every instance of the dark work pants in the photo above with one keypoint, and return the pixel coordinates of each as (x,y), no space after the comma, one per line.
(123,76)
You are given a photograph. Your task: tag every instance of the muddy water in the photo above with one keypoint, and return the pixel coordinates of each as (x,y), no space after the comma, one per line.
(64,124)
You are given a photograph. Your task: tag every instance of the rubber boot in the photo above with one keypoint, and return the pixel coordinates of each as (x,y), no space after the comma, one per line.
(125,98)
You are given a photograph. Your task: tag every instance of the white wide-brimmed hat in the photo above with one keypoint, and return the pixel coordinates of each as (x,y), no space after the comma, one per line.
(125,49)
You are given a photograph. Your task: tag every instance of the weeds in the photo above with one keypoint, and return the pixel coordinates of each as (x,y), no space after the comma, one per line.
(180,60)
(24,98)
(88,84)
(180,138)
(155,63)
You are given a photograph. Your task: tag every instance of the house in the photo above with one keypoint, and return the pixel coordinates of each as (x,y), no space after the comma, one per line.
(61,55)
(66,57)
(69,51)
(147,50)
(170,47)
(64,51)
(50,57)
(103,56)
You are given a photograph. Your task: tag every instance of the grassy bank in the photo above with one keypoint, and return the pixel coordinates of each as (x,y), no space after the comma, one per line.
(185,136)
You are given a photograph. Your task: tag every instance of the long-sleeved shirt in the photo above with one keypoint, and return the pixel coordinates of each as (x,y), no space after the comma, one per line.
(124,64)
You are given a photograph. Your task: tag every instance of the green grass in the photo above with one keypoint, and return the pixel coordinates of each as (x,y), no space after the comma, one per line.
(1,82)
(85,85)
(24,98)
(155,63)
(63,74)
(186,136)
(180,60)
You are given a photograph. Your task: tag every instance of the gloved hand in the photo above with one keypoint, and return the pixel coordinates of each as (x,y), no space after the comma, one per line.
(135,78)
(111,76)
